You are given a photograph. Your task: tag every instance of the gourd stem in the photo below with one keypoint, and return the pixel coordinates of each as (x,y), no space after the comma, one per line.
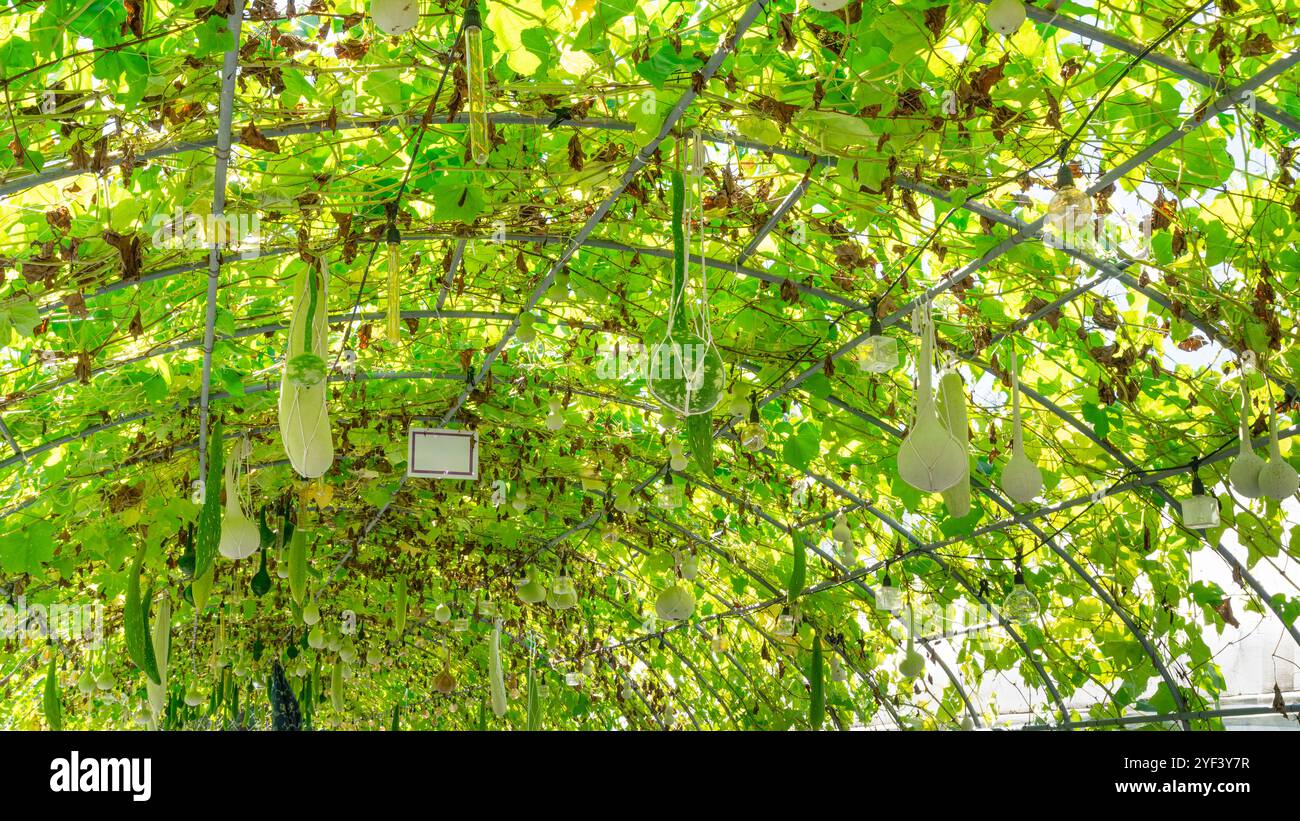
(1243,430)
(1017,435)
(924,396)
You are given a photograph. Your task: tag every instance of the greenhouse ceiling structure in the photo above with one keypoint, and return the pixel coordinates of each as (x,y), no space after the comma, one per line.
(562,364)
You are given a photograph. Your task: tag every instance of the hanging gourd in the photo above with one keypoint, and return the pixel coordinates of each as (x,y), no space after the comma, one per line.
(554,415)
(298,566)
(1021,479)
(1244,473)
(444,683)
(304,418)
(913,663)
(676,458)
(1006,16)
(675,603)
(399,607)
(841,531)
(686,372)
(51,699)
(531,589)
(162,629)
(395,17)
(563,595)
(930,458)
(240,536)
(336,687)
(1277,480)
(495,673)
(952,413)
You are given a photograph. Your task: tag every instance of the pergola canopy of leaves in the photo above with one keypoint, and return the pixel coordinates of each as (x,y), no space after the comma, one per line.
(857,160)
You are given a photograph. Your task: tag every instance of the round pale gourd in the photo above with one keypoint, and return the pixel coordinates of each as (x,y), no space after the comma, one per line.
(561,601)
(841,531)
(1006,16)
(675,603)
(1022,481)
(311,613)
(86,682)
(686,374)
(532,591)
(1277,480)
(395,17)
(240,537)
(929,459)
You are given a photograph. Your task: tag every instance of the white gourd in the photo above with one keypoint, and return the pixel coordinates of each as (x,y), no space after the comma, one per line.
(1278,480)
(162,627)
(929,459)
(952,404)
(1006,16)
(1021,479)
(494,669)
(395,17)
(240,537)
(1244,473)
(304,420)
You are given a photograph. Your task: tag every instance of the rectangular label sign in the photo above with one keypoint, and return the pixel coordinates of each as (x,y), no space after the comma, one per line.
(434,453)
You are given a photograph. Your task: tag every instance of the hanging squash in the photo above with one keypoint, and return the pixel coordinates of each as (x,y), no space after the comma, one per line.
(395,17)
(240,536)
(1021,479)
(686,372)
(497,681)
(930,458)
(952,413)
(304,419)
(1244,473)
(1277,480)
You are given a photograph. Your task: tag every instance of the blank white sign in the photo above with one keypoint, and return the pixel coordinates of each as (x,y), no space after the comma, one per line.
(433,453)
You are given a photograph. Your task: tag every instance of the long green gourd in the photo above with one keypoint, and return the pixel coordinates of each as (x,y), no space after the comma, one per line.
(817,700)
(207,539)
(799,571)
(135,622)
(50,700)
(298,566)
(496,678)
(952,413)
(534,720)
(699,427)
